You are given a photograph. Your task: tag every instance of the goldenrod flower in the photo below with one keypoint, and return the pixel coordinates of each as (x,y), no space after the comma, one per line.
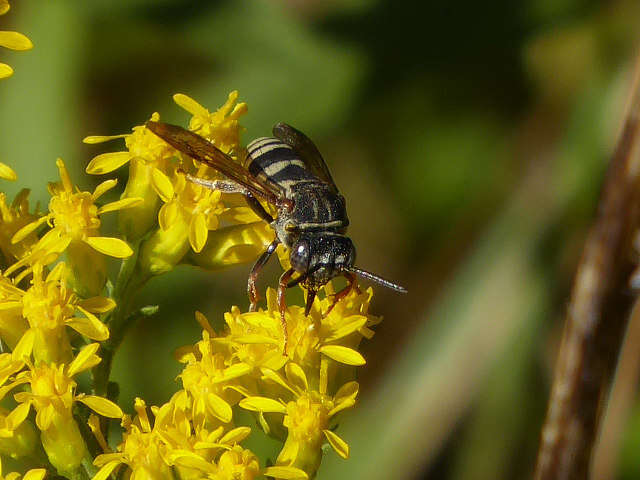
(18,438)
(206,377)
(74,218)
(185,221)
(220,127)
(12,324)
(12,219)
(311,337)
(12,41)
(191,211)
(307,417)
(142,449)
(48,307)
(52,396)
(149,158)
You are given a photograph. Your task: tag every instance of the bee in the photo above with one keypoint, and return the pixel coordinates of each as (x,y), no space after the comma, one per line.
(288,172)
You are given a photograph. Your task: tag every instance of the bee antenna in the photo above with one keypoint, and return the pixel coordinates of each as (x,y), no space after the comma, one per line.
(375,278)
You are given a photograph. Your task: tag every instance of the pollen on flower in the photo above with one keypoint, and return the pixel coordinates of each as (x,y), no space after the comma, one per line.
(220,127)
(12,218)
(141,144)
(52,395)
(48,306)
(75,216)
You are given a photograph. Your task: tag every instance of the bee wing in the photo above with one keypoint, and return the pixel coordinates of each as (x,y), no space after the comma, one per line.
(206,152)
(307,150)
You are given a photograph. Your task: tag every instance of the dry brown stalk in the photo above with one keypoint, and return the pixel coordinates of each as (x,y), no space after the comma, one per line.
(597,316)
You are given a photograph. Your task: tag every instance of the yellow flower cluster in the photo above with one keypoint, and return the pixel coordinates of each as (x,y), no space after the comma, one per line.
(62,316)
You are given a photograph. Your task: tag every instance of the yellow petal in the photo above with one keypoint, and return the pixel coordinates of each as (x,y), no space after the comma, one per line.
(29,228)
(339,445)
(106,470)
(287,473)
(35,474)
(10,305)
(84,358)
(161,184)
(204,323)
(188,459)
(256,339)
(17,415)
(269,374)
(345,397)
(167,215)
(348,390)
(98,304)
(219,408)
(190,105)
(349,325)
(120,205)
(105,458)
(236,435)
(5,70)
(15,41)
(237,388)
(262,404)
(296,376)
(114,247)
(342,354)
(7,173)
(101,405)
(289,453)
(198,232)
(234,371)
(4,8)
(93,139)
(103,188)
(25,345)
(240,215)
(44,417)
(89,325)
(107,162)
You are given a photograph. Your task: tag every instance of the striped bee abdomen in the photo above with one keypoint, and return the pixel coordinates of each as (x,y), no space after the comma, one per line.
(276,161)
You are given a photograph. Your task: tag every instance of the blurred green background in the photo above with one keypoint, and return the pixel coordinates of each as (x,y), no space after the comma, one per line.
(470,139)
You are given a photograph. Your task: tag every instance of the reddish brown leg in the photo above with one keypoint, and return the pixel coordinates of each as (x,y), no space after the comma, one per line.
(311,295)
(351,285)
(255,271)
(282,304)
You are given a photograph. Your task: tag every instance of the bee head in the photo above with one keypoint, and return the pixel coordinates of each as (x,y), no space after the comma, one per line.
(320,256)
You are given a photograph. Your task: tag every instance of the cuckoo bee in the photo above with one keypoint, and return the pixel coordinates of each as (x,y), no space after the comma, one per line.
(288,172)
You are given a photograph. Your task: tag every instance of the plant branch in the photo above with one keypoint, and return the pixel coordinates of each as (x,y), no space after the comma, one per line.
(597,316)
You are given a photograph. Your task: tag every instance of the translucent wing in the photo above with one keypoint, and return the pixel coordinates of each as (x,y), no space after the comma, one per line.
(204,151)
(307,150)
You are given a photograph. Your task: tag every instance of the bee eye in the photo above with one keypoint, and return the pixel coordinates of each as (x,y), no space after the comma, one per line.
(300,256)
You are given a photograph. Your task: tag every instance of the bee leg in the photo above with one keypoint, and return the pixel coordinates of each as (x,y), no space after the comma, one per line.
(225,186)
(311,295)
(351,285)
(228,186)
(255,271)
(282,304)
(257,208)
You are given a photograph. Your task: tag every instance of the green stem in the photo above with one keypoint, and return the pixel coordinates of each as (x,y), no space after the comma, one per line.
(130,281)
